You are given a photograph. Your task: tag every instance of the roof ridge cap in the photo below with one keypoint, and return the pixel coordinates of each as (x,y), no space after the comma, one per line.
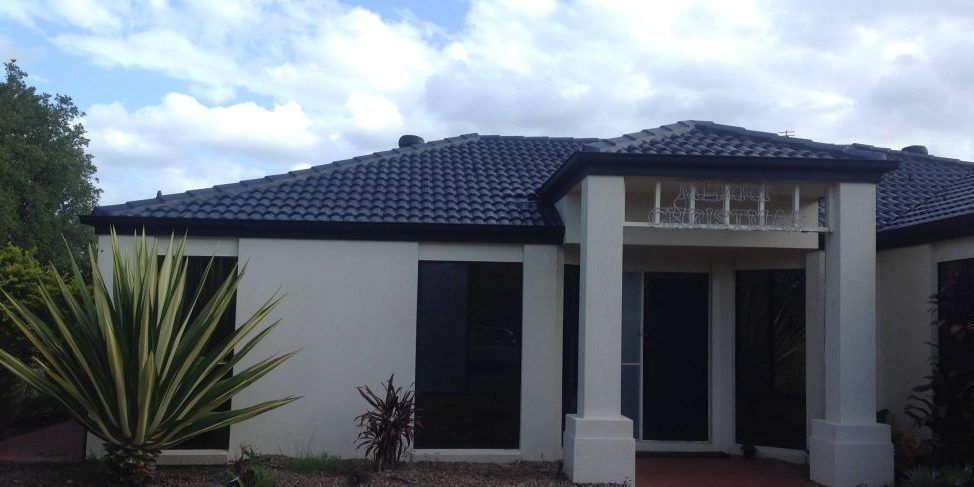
(272,180)
(844,149)
(914,155)
(555,138)
(603,145)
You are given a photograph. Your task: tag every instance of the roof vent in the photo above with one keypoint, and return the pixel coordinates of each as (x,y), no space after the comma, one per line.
(408,140)
(915,149)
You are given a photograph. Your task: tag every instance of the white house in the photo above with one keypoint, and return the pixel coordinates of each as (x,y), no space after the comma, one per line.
(691,288)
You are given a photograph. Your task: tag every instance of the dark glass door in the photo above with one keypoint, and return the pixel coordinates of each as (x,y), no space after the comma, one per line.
(676,357)
(468,355)
(770,376)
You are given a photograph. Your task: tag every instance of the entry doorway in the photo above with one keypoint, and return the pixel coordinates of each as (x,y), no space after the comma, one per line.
(666,355)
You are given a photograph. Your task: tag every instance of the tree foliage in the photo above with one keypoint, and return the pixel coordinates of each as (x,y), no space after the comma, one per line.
(46,175)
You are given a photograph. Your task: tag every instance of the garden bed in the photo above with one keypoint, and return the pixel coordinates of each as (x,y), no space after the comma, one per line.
(307,472)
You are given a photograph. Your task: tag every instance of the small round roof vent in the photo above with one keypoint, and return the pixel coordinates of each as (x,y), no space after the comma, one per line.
(916,149)
(408,140)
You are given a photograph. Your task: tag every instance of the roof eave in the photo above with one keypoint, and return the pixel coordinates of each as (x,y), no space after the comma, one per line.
(377,231)
(957,226)
(583,164)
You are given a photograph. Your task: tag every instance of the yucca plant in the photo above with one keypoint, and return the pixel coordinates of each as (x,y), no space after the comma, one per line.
(389,426)
(136,361)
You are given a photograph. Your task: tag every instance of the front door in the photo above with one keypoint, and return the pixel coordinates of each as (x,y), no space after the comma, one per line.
(666,355)
(676,357)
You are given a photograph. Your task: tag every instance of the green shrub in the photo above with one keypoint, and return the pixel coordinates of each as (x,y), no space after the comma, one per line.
(20,276)
(250,471)
(939,477)
(945,403)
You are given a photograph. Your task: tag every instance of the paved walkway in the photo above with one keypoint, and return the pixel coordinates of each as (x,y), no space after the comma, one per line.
(62,442)
(730,472)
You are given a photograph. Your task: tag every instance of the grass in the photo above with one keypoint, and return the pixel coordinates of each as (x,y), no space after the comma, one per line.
(264,477)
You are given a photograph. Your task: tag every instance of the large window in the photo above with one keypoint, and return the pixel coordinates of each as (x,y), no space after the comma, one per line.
(468,355)
(222,267)
(771,358)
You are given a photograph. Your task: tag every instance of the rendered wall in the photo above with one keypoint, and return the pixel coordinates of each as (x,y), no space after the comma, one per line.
(350,308)
(906,279)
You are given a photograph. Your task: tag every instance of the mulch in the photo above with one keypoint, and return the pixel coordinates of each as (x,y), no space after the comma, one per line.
(521,474)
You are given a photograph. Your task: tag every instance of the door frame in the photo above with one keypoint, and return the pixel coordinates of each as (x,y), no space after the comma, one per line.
(720,270)
(699,278)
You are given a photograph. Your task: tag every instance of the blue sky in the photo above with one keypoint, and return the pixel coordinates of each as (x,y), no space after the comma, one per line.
(181,95)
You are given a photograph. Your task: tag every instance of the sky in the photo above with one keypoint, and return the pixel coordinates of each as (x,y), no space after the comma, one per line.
(188,94)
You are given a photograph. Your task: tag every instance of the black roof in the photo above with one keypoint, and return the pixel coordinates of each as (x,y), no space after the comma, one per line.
(488,184)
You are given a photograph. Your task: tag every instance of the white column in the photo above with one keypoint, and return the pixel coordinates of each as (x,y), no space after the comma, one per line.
(723,334)
(599,447)
(848,447)
(814,337)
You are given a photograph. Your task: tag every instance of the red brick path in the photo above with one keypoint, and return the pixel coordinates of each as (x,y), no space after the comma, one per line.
(731,472)
(62,442)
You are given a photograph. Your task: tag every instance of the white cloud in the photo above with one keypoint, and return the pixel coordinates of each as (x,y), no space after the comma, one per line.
(180,123)
(371,112)
(277,84)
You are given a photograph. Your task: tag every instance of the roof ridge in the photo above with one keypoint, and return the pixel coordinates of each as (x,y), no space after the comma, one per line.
(844,149)
(603,145)
(272,180)
(914,155)
(539,137)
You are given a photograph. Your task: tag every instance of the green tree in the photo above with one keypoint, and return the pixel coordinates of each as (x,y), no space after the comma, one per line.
(46,175)
(20,276)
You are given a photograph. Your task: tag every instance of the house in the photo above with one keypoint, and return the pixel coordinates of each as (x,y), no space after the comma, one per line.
(691,288)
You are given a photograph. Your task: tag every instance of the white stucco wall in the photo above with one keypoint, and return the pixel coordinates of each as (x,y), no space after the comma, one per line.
(350,308)
(541,363)
(906,278)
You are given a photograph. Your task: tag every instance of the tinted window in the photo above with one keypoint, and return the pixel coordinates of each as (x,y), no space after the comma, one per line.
(222,267)
(468,355)
(955,309)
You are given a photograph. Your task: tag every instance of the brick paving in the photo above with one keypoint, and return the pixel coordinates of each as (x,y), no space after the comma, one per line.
(730,472)
(62,442)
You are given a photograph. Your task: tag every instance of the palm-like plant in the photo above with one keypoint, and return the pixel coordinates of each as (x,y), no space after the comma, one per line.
(137,362)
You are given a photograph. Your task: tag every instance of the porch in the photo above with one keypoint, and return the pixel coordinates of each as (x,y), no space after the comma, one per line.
(662,261)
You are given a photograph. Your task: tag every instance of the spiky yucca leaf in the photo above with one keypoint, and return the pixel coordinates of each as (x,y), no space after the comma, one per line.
(130,360)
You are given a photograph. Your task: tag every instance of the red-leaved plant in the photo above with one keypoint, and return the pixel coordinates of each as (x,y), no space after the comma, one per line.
(389,426)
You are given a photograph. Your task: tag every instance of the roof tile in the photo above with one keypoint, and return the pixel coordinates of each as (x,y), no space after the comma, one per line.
(490,179)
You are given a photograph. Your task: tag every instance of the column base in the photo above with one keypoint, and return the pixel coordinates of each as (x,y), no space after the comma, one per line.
(848,455)
(600,450)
